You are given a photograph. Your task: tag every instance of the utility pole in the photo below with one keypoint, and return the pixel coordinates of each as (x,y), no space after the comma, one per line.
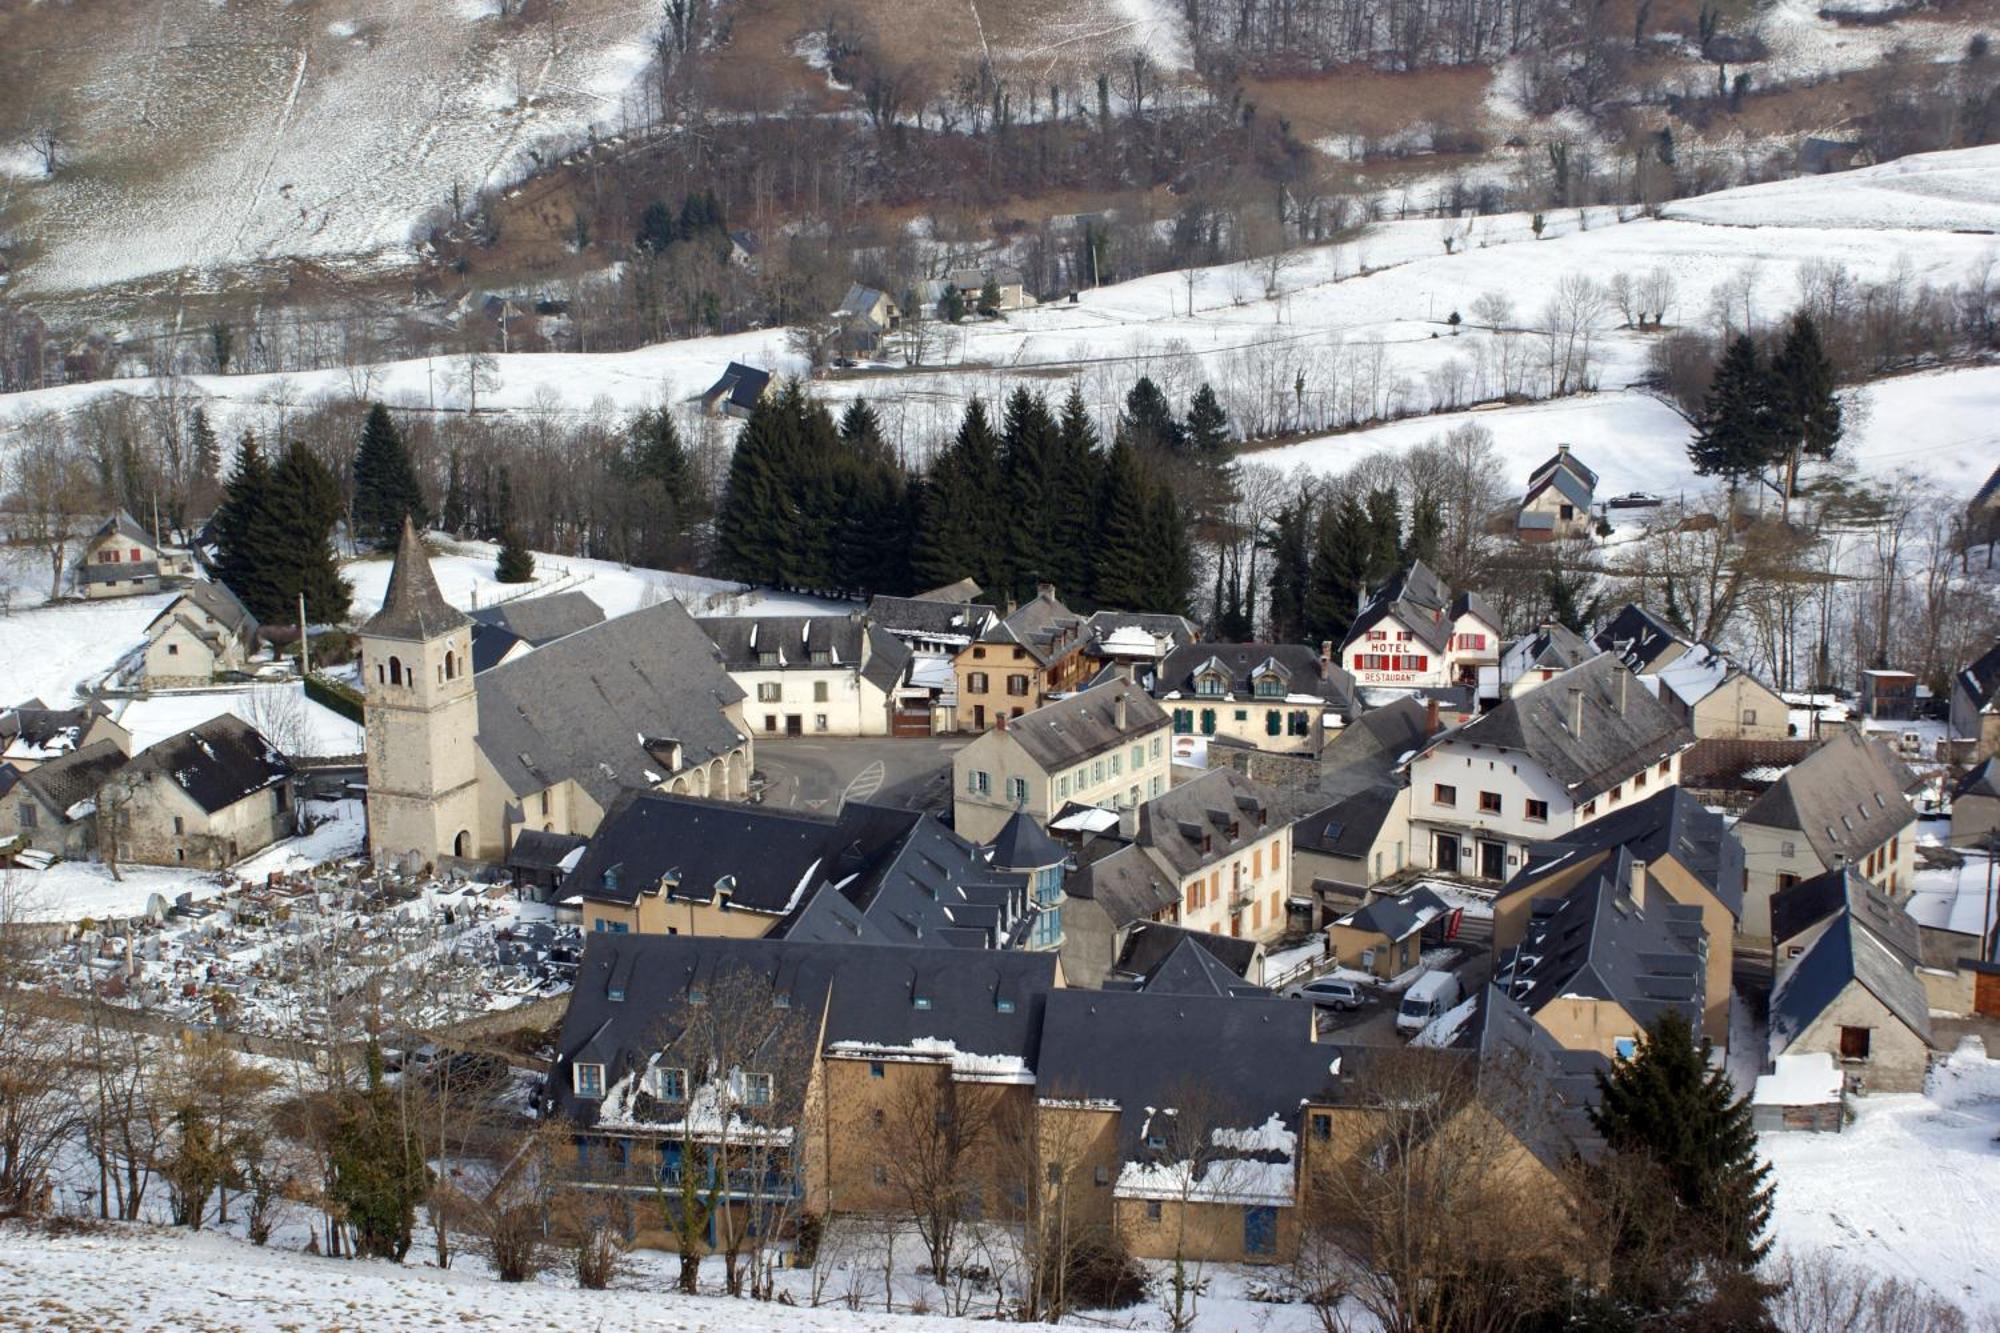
(304,668)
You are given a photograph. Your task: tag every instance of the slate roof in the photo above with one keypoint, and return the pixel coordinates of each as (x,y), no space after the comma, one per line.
(1104,623)
(1804,905)
(1981,680)
(1241,665)
(1981,781)
(1042,625)
(646,836)
(413,608)
(219,603)
(1348,827)
(1668,823)
(987,1005)
(1615,741)
(1022,845)
(76,776)
(122,524)
(1553,647)
(930,618)
(540,620)
(965,590)
(1540,1089)
(1571,478)
(1564,460)
(39,727)
(1989,493)
(217,764)
(1059,734)
(1846,952)
(118,573)
(740,386)
(534,849)
(1597,943)
(1845,798)
(592,706)
(743,640)
(1258,1058)
(1417,599)
(1149,944)
(1638,637)
(1126,884)
(860,300)
(1188,826)
(1397,918)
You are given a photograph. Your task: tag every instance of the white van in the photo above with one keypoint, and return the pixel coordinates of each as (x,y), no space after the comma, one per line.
(1430,995)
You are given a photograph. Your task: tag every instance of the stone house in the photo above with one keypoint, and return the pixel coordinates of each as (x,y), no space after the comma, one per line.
(1975,704)
(1538,766)
(52,806)
(1685,851)
(199,635)
(33,733)
(1842,805)
(812,675)
(1276,697)
(1105,746)
(1415,631)
(1557,507)
(209,797)
(1853,993)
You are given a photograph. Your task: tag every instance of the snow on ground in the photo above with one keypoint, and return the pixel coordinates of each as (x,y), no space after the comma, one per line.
(73,890)
(296,724)
(1959,189)
(1803,43)
(46,653)
(1904,1191)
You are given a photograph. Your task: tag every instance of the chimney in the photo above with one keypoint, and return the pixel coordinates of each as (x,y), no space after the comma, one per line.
(1118,710)
(1637,891)
(1576,710)
(1046,591)
(1325,658)
(1623,676)
(1128,821)
(1430,717)
(1000,721)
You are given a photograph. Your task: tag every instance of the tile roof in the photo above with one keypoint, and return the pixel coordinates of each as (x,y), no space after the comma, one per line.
(596,706)
(413,608)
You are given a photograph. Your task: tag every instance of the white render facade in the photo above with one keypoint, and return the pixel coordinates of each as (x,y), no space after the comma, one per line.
(1392,653)
(815,701)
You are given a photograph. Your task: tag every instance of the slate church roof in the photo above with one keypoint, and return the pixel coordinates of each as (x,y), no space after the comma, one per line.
(413,608)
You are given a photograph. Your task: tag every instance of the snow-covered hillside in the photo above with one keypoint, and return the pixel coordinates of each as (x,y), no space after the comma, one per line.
(1352,329)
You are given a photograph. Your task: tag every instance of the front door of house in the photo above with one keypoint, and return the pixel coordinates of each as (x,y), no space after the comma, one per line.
(794,724)
(1445,853)
(1492,860)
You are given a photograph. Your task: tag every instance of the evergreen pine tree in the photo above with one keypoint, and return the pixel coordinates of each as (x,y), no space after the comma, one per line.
(1170,589)
(1805,411)
(1031,465)
(516,563)
(1148,422)
(1426,531)
(1077,477)
(755,521)
(1734,436)
(205,487)
(290,533)
(871,549)
(1212,489)
(1342,544)
(378,1172)
(385,483)
(660,503)
(1385,534)
(240,565)
(1572,603)
(989,299)
(1289,539)
(656,228)
(960,530)
(951,306)
(1124,573)
(455,500)
(1671,1105)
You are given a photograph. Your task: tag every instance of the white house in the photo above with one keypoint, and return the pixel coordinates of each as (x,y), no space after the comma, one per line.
(1538,766)
(121,559)
(1416,632)
(812,675)
(204,631)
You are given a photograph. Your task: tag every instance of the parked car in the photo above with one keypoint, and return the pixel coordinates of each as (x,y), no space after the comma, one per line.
(1429,995)
(1634,500)
(1330,993)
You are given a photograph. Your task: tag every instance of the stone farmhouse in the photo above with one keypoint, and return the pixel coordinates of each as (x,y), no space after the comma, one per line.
(1561,495)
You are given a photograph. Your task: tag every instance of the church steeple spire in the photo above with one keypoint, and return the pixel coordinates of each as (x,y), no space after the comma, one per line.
(413,608)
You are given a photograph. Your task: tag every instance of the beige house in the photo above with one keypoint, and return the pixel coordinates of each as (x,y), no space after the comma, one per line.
(121,559)
(1341,851)
(1842,805)
(1719,700)
(1975,705)
(1385,936)
(812,675)
(457,762)
(208,797)
(201,633)
(1557,507)
(1105,746)
(1277,697)
(1227,852)
(1019,663)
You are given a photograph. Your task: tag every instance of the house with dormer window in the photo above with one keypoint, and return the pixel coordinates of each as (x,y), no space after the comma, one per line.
(1279,697)
(812,675)
(1416,632)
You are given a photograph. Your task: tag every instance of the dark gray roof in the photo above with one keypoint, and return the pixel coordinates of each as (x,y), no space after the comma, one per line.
(1981,680)
(1637,636)
(540,620)
(1085,724)
(1596,942)
(1564,460)
(1846,952)
(965,590)
(122,524)
(119,573)
(594,706)
(1397,918)
(1149,944)
(1210,819)
(793,640)
(1668,823)
(1256,1058)
(43,728)
(772,855)
(1625,729)
(859,300)
(869,996)
(491,644)
(928,617)
(1981,781)
(76,776)
(740,385)
(1042,625)
(1540,1089)
(534,849)
(1348,827)
(1297,668)
(413,608)
(220,603)
(1387,733)
(1417,599)
(217,763)
(1845,798)
(1126,884)
(1804,905)
(1553,646)
(1021,844)
(1102,623)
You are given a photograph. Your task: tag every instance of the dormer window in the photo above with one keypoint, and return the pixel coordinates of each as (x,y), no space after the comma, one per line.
(767,659)
(587,1080)
(920,1002)
(667,1083)
(1209,686)
(1270,687)
(822,657)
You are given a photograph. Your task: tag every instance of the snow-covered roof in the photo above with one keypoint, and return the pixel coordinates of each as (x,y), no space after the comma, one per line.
(1809,1078)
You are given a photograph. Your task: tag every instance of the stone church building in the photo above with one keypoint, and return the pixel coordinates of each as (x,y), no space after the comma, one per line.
(459,763)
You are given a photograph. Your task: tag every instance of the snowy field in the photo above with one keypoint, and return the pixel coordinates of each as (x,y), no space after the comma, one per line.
(1335,311)
(306,729)
(47,652)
